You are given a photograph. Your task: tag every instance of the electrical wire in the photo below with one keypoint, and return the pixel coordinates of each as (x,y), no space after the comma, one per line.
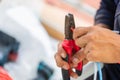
(95,71)
(99,70)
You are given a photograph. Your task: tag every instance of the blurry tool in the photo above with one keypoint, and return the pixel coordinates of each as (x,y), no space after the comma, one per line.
(8,48)
(70,46)
(44,72)
(4,75)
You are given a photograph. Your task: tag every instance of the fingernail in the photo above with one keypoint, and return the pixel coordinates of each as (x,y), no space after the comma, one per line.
(63,55)
(75,60)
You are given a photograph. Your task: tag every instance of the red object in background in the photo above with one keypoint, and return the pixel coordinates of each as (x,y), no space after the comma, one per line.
(4,75)
(12,56)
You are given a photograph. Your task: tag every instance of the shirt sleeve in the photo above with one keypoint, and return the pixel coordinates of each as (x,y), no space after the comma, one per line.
(105,14)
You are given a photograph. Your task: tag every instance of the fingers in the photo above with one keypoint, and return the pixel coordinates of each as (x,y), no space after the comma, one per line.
(83,40)
(82,36)
(80,31)
(85,54)
(59,58)
(78,57)
(61,63)
(89,47)
(90,51)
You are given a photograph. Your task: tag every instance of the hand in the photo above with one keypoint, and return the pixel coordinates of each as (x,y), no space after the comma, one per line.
(99,45)
(58,57)
(61,63)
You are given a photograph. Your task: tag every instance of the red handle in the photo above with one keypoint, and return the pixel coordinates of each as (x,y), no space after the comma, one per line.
(71,48)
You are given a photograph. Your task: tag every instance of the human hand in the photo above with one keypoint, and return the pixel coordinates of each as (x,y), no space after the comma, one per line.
(98,44)
(63,64)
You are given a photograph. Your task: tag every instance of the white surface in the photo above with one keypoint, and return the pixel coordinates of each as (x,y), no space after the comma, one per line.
(35,44)
(34,5)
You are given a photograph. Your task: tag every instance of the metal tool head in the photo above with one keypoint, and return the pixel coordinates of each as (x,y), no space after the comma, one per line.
(69,25)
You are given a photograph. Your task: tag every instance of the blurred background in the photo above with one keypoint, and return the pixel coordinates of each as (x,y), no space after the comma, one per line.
(30,31)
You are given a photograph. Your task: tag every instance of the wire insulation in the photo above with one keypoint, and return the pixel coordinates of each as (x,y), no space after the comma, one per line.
(95,71)
(99,70)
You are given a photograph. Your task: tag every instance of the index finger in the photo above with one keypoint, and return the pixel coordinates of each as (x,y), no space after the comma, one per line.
(80,31)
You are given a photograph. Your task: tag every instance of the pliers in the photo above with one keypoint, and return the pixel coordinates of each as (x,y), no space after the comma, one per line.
(70,47)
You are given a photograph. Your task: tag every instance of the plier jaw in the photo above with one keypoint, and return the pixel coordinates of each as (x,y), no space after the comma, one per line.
(69,26)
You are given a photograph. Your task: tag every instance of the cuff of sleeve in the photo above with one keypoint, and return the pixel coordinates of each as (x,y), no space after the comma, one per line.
(104,22)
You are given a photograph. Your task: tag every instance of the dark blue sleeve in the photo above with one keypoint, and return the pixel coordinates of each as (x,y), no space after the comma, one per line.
(105,14)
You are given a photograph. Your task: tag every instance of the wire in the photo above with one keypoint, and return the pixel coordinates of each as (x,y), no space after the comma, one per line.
(99,70)
(95,71)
